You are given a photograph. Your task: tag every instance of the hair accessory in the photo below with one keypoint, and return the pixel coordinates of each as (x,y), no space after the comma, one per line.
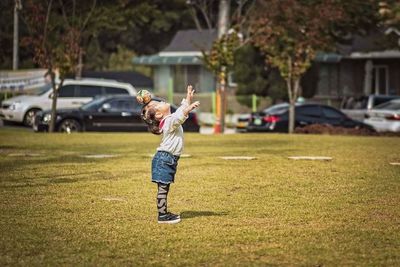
(143,97)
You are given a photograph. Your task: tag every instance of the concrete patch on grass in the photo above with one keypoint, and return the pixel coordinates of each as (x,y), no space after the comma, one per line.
(311,158)
(395,163)
(237,158)
(99,156)
(24,154)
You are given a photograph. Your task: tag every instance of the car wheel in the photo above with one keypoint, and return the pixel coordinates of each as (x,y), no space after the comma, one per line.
(30,116)
(69,126)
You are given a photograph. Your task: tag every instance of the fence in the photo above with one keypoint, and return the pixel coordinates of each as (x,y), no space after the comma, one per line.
(235,105)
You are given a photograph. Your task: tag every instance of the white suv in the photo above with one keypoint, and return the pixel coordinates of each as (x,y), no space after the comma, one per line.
(73,94)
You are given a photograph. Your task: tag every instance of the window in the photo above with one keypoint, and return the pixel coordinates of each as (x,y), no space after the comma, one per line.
(121,105)
(67,91)
(88,91)
(331,113)
(313,111)
(392,105)
(184,75)
(380,100)
(115,91)
(279,108)
(380,80)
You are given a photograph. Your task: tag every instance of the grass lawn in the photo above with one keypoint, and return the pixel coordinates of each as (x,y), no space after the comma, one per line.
(60,208)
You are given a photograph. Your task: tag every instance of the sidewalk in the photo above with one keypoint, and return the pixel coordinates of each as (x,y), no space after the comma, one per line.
(210,130)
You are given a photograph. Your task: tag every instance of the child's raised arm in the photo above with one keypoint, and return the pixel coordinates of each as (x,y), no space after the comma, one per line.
(190,108)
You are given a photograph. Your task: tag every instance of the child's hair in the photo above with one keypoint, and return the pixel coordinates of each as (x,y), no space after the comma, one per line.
(149,117)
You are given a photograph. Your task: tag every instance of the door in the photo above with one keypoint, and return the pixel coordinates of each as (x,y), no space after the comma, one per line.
(306,115)
(334,117)
(74,96)
(117,115)
(66,97)
(85,93)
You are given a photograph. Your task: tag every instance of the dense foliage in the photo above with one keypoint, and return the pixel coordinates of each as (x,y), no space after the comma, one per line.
(142,26)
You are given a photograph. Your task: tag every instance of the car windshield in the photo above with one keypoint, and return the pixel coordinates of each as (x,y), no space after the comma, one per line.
(94,104)
(41,90)
(391,105)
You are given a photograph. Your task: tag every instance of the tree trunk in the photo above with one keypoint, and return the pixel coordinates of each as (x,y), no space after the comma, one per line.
(53,102)
(220,104)
(223,102)
(78,72)
(292,115)
(293,92)
(56,87)
(223,24)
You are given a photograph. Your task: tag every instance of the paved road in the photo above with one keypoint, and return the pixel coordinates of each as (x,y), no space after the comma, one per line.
(210,130)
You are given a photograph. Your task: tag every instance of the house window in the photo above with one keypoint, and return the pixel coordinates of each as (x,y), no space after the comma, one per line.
(184,75)
(231,80)
(380,80)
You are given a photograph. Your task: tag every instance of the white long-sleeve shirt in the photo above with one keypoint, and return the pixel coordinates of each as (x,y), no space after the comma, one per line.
(172,131)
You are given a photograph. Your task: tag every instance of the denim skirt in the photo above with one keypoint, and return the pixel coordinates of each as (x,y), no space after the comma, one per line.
(163,167)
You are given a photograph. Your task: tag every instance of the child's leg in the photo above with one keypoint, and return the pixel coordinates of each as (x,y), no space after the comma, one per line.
(162,198)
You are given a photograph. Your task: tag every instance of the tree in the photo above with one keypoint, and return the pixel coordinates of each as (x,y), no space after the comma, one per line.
(390,16)
(56,42)
(254,76)
(220,59)
(290,33)
(141,26)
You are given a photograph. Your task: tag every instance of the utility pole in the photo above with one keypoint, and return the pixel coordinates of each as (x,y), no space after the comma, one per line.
(223,24)
(18,6)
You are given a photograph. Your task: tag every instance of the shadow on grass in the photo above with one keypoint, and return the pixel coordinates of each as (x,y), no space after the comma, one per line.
(55,179)
(193,214)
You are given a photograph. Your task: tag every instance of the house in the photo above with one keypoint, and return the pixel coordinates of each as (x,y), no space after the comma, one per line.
(359,68)
(180,63)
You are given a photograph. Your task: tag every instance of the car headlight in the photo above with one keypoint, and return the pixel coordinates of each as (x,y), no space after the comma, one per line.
(15,105)
(47,117)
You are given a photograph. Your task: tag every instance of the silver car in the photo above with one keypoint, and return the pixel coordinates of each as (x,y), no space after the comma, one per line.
(385,117)
(73,94)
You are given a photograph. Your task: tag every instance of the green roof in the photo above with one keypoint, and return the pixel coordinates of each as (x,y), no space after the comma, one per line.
(156,60)
(167,60)
(328,57)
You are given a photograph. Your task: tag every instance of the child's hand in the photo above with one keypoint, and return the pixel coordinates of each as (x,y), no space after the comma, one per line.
(191,107)
(194,105)
(190,93)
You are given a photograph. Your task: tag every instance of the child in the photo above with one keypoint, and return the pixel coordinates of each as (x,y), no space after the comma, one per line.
(157,115)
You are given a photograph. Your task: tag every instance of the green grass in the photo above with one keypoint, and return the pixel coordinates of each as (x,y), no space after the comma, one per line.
(59,208)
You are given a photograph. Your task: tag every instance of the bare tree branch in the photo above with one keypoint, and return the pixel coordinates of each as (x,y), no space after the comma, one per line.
(203,7)
(45,48)
(89,15)
(192,11)
(64,13)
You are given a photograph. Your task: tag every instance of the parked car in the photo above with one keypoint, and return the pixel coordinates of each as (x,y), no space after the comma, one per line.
(357,108)
(73,94)
(276,118)
(385,117)
(243,120)
(106,113)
